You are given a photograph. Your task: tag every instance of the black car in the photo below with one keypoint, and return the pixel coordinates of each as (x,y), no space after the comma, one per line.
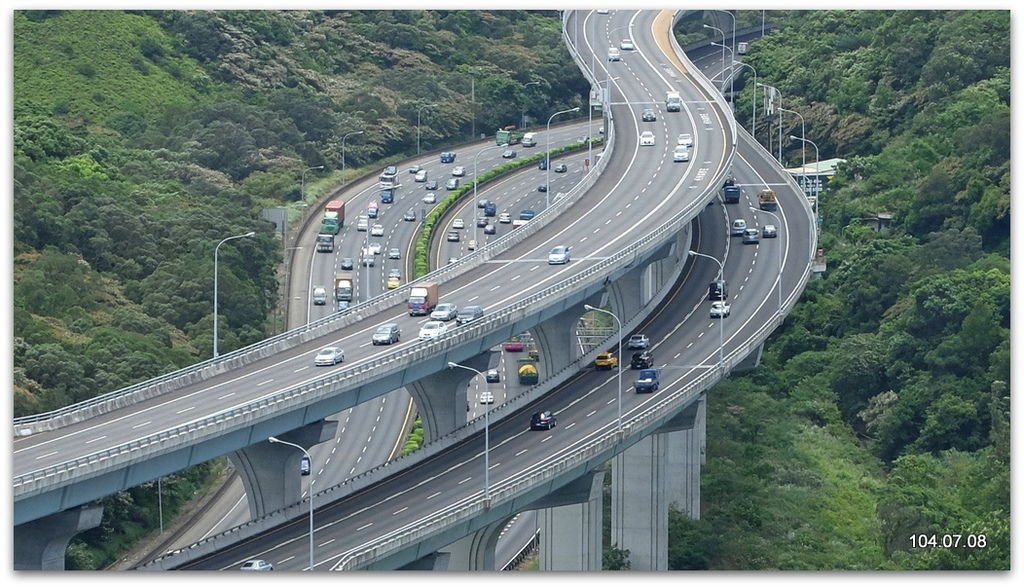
(509,154)
(718,290)
(542,421)
(561,168)
(648,115)
(492,377)
(543,164)
(641,360)
(453,236)
(410,215)
(431,185)
(481,221)
(347,263)
(542,188)
(490,230)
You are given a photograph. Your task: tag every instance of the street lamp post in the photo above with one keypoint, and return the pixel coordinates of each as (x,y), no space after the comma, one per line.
(721,319)
(302,181)
(803,152)
(418,110)
(344,180)
(770,93)
(306,453)
(526,85)
(753,100)
(619,323)
(732,61)
(547,158)
(720,31)
(216,253)
(778,250)
(487,426)
(475,175)
(817,174)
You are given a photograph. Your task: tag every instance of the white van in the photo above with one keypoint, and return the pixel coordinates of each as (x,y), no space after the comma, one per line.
(738,226)
(421,176)
(319,296)
(530,140)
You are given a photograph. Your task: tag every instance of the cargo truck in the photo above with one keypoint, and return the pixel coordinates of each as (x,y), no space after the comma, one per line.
(730,192)
(508,136)
(766,199)
(330,226)
(527,372)
(325,242)
(343,286)
(338,208)
(422,298)
(673,102)
(530,140)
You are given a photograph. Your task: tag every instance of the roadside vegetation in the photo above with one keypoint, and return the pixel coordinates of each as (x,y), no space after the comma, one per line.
(881,408)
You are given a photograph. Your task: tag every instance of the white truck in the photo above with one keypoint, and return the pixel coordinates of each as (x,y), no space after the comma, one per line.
(530,140)
(673,102)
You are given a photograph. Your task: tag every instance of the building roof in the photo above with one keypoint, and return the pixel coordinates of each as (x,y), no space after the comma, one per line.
(825,167)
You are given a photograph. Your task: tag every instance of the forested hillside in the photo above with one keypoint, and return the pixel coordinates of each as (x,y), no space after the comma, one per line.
(144,138)
(141,139)
(881,409)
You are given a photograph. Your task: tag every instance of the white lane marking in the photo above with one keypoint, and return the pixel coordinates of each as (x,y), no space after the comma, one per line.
(96,439)
(141,424)
(265,382)
(401,510)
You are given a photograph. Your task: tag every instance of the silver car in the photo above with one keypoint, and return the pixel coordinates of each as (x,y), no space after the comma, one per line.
(559,255)
(330,356)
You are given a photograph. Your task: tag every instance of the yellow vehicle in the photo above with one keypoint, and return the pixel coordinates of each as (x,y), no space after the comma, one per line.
(394,283)
(528,373)
(606,361)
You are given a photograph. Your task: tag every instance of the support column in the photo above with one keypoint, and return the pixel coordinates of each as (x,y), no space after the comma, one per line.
(42,544)
(556,341)
(270,471)
(625,294)
(683,437)
(750,362)
(441,397)
(474,552)
(640,504)
(571,535)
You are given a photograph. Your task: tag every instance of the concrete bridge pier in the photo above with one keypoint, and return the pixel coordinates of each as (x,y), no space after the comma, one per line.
(42,544)
(556,339)
(571,526)
(441,397)
(750,362)
(640,503)
(686,446)
(270,471)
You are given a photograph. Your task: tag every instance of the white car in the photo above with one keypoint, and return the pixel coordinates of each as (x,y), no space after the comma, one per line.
(257,565)
(613,54)
(685,139)
(458,171)
(486,397)
(638,342)
(738,226)
(559,255)
(446,311)
(720,309)
(458,224)
(681,153)
(626,45)
(421,176)
(430,198)
(647,139)
(432,330)
(769,232)
(375,248)
(377,230)
(394,253)
(505,218)
(330,356)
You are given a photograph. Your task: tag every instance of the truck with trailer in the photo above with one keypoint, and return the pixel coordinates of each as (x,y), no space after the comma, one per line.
(344,286)
(527,371)
(336,208)
(766,199)
(673,102)
(423,298)
(325,243)
(508,136)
